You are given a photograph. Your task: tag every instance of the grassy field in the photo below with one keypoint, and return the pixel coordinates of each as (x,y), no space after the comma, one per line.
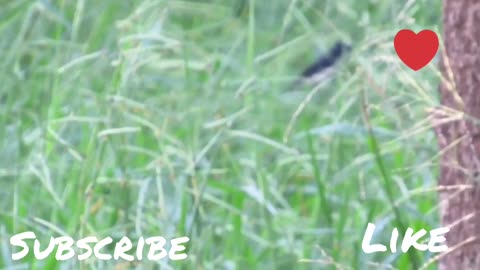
(174,118)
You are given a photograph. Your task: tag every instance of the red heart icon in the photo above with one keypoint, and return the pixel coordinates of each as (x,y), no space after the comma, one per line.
(416,50)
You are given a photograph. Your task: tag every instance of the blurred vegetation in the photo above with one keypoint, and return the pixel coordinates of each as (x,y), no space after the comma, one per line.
(172,118)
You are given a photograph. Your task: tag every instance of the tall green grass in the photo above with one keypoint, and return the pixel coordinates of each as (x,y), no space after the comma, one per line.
(164,117)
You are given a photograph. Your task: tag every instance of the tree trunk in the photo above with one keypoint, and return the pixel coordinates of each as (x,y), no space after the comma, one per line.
(459,135)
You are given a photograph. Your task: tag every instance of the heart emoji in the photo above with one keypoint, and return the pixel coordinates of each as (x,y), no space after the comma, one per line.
(416,50)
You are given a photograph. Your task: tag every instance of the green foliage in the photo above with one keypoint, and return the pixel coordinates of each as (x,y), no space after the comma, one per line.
(165,117)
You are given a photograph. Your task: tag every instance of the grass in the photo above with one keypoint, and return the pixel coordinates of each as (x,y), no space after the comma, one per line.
(171,118)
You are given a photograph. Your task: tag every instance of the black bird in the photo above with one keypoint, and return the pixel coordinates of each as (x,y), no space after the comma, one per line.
(325,65)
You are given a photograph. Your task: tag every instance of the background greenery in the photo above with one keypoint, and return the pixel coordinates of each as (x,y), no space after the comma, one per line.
(164,117)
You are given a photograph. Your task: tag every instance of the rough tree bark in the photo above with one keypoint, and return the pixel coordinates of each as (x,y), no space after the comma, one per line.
(459,140)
